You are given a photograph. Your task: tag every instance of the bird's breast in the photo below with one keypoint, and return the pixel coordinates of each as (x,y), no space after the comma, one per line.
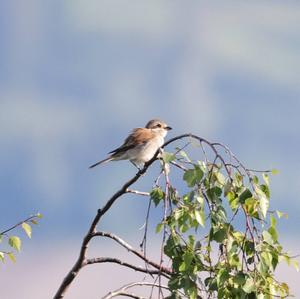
(146,151)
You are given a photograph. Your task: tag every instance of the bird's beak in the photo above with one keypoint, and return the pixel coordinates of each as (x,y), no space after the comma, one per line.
(168,128)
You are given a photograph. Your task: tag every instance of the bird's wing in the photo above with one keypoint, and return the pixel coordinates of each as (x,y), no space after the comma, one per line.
(137,137)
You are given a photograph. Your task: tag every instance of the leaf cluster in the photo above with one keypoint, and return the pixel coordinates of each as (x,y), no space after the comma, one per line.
(221,237)
(14,242)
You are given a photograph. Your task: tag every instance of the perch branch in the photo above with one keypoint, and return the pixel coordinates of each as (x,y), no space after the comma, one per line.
(81,260)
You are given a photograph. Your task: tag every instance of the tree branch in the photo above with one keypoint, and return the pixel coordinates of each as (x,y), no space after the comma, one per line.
(131,285)
(20,223)
(134,251)
(138,192)
(82,255)
(81,260)
(125,294)
(99,260)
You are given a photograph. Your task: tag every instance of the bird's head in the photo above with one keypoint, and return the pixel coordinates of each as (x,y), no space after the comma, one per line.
(158,126)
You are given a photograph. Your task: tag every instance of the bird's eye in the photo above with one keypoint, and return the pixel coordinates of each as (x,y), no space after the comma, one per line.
(158,125)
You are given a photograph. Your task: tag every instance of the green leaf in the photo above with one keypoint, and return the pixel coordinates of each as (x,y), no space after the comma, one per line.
(214,194)
(234,260)
(193,176)
(267,237)
(159,227)
(15,242)
(233,200)
(2,256)
(184,155)
(39,215)
(263,202)
(11,256)
(227,187)
(220,178)
(27,229)
(249,286)
(191,241)
(287,259)
(246,194)
(273,232)
(222,277)
(220,235)
(187,260)
(273,221)
(251,206)
(200,199)
(267,258)
(265,189)
(249,248)
(156,195)
(239,278)
(296,265)
(168,157)
(200,217)
(281,214)
(266,179)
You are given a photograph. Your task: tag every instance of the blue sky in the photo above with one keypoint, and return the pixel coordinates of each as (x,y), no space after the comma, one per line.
(76,77)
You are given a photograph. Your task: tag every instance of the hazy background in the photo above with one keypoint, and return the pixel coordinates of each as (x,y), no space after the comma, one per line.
(76,76)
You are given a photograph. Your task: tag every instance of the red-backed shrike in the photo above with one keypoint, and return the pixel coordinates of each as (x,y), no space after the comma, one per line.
(141,144)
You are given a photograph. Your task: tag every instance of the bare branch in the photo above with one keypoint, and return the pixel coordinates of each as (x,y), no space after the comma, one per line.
(131,285)
(137,192)
(134,251)
(82,255)
(179,165)
(125,294)
(99,260)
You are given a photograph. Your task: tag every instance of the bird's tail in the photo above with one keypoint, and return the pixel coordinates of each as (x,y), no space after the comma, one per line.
(102,161)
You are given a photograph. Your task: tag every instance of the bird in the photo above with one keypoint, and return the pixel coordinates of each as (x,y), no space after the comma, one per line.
(141,144)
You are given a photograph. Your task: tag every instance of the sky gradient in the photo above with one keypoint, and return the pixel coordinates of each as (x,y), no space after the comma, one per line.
(76,77)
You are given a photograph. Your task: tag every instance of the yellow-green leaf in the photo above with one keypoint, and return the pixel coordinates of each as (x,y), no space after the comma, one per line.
(168,157)
(263,202)
(266,179)
(11,256)
(159,227)
(296,265)
(275,171)
(2,256)
(15,242)
(27,229)
(200,217)
(249,286)
(281,214)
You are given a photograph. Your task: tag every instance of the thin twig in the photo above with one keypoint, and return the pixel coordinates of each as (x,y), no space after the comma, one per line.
(131,285)
(138,192)
(179,166)
(125,294)
(18,224)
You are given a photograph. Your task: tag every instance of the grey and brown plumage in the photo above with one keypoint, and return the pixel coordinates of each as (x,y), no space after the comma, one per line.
(141,144)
